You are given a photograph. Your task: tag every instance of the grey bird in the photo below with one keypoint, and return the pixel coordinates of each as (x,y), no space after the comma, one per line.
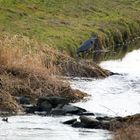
(85,46)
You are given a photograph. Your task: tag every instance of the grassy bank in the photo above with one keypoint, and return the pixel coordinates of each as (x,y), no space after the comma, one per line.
(38,38)
(64,24)
(29,68)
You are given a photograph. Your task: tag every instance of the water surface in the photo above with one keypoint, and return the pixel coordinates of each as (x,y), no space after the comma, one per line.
(117,95)
(46,128)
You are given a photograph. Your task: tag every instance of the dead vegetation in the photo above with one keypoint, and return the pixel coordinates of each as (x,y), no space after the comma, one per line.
(21,82)
(8,103)
(130,130)
(22,52)
(29,69)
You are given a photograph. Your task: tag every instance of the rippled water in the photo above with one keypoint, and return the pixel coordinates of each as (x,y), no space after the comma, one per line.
(118,94)
(46,128)
(115,95)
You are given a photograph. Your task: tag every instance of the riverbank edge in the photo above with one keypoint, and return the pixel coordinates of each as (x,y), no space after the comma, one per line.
(57,63)
(63,63)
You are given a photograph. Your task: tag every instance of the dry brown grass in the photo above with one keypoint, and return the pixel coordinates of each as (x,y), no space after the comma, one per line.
(29,74)
(21,52)
(8,104)
(129,130)
(21,82)
(28,68)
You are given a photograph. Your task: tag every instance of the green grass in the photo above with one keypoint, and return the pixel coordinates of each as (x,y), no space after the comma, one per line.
(64,24)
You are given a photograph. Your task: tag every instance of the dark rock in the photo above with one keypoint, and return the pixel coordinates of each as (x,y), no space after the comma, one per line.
(5,119)
(86,114)
(106,118)
(57,112)
(105,125)
(59,106)
(53,100)
(55,105)
(113,73)
(108,123)
(43,113)
(82,109)
(90,122)
(70,122)
(73,109)
(78,125)
(23,100)
(29,108)
(44,106)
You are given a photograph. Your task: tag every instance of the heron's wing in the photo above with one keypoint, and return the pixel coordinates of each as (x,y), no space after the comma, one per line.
(86,45)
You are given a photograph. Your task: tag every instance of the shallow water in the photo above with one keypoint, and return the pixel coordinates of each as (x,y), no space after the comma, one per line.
(118,94)
(42,128)
(115,95)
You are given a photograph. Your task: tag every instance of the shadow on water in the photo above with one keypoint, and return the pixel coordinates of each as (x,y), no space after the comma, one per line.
(117,53)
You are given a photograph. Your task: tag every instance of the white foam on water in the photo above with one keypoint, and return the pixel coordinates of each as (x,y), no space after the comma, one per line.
(118,94)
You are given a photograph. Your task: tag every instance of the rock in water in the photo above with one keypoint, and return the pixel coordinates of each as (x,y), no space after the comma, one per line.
(86,114)
(78,125)
(53,100)
(23,100)
(73,109)
(5,119)
(57,112)
(70,122)
(90,122)
(44,106)
(29,108)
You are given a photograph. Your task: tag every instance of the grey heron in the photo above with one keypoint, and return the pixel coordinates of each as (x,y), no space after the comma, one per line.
(85,46)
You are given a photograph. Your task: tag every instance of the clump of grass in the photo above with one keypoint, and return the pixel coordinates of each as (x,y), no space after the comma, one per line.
(8,103)
(129,132)
(16,50)
(83,68)
(129,129)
